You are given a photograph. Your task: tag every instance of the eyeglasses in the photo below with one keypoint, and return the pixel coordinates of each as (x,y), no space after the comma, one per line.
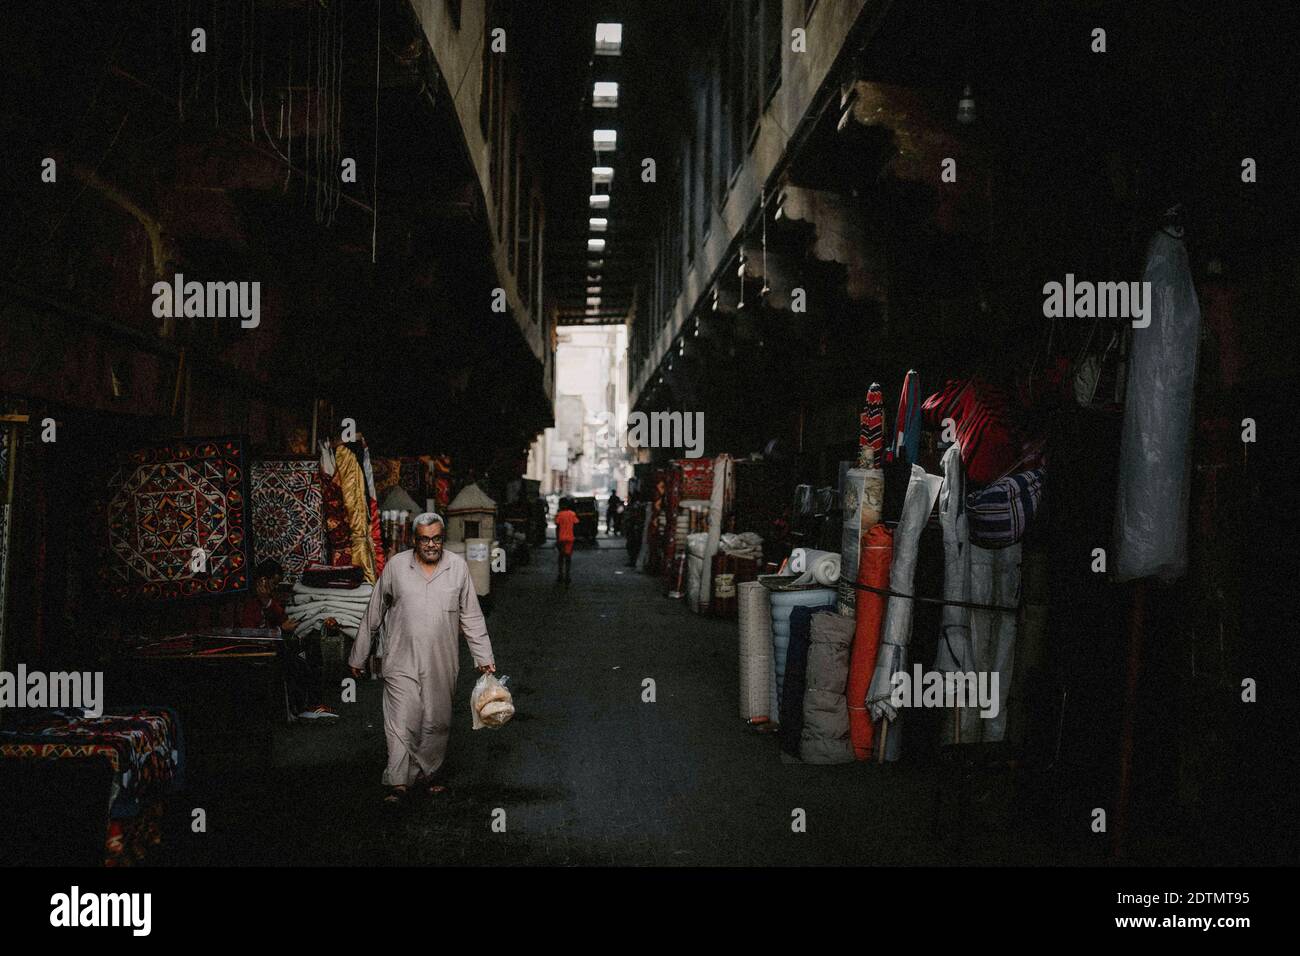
(431,538)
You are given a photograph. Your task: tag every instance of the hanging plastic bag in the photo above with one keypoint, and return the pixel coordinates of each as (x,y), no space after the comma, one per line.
(1155,455)
(490,704)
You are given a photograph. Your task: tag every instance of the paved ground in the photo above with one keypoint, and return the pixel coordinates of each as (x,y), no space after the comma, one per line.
(588,773)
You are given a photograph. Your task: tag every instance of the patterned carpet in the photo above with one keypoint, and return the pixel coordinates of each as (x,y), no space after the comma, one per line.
(287,524)
(171,504)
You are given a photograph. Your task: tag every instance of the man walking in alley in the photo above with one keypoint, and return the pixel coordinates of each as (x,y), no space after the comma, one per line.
(565,521)
(424,598)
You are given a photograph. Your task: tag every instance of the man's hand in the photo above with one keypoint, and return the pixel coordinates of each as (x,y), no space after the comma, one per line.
(356,672)
(487,668)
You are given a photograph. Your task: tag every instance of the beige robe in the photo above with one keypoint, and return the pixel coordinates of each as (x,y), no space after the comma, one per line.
(421,657)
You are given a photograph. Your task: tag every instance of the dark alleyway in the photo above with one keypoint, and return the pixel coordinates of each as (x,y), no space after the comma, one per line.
(587,773)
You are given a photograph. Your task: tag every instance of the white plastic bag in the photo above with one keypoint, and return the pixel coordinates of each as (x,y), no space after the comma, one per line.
(1155,455)
(490,704)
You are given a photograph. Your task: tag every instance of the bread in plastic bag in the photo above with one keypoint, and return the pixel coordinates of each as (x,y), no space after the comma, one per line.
(490,703)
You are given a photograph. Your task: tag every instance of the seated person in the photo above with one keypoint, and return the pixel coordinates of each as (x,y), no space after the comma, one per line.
(303,662)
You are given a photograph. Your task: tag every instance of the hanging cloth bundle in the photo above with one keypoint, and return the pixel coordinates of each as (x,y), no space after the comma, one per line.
(907,427)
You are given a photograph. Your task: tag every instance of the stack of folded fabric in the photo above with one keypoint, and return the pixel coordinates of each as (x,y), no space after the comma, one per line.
(312,606)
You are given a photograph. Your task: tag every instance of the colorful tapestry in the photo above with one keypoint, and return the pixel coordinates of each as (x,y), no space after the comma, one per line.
(386,471)
(177,520)
(441,482)
(412,479)
(287,514)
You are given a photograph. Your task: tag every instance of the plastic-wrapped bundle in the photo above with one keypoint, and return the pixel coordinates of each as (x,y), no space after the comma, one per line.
(1155,450)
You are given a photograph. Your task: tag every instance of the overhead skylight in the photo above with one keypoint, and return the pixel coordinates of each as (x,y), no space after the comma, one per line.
(595,245)
(597,224)
(604,94)
(602,175)
(600,200)
(609,39)
(604,140)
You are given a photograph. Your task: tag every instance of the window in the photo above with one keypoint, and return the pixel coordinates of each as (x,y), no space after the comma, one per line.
(773,45)
(485,90)
(604,140)
(688,198)
(708,130)
(526,226)
(535,296)
(754,68)
(510,191)
(609,39)
(604,94)
(736,83)
(494,133)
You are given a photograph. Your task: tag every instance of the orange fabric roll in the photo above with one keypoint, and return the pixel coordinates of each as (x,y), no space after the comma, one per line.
(873,570)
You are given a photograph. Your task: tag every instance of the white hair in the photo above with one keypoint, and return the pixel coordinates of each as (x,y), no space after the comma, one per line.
(428,518)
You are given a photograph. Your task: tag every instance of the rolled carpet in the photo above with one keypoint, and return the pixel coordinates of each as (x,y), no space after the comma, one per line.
(756,662)
(873,571)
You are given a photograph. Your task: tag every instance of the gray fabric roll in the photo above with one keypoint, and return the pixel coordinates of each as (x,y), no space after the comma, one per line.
(825,736)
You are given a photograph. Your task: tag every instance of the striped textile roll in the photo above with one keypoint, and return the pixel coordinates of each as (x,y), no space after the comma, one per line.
(871,428)
(756,664)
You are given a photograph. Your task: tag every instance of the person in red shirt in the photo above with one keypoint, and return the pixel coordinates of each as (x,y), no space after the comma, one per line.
(565,521)
(303,662)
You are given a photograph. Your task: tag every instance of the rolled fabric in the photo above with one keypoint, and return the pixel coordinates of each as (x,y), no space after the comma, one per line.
(815,567)
(825,735)
(783,602)
(795,682)
(755,619)
(353,483)
(873,570)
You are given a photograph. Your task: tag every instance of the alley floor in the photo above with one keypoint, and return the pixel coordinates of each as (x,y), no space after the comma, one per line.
(588,773)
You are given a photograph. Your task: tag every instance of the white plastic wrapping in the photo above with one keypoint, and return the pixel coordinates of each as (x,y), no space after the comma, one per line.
(1155,449)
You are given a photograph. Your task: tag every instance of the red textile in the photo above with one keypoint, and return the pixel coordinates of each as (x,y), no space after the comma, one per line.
(337,534)
(873,570)
(983,414)
(377,536)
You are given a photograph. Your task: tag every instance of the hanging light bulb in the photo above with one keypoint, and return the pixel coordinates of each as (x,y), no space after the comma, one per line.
(966,107)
